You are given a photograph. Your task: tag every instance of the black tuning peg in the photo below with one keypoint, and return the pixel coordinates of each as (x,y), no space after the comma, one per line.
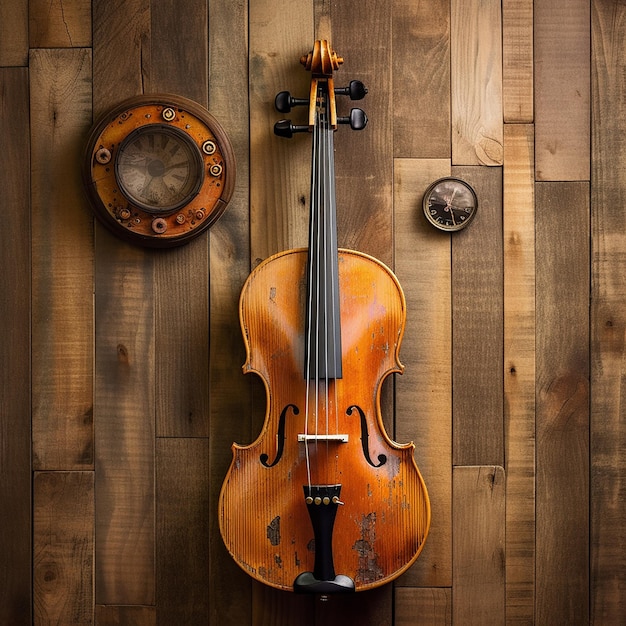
(356,90)
(284,101)
(284,128)
(357,119)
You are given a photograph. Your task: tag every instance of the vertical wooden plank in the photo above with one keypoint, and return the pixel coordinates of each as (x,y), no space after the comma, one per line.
(476,75)
(608,318)
(477,314)
(519,369)
(562,68)
(364,160)
(121,48)
(231,402)
(281,31)
(63,550)
(428,607)
(62,257)
(423,392)
(179,64)
(517,61)
(14,40)
(421,79)
(478,546)
(562,403)
(179,49)
(124,341)
(182,475)
(15,309)
(58,24)
(124,423)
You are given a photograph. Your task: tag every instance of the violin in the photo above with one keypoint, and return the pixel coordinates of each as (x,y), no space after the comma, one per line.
(323,501)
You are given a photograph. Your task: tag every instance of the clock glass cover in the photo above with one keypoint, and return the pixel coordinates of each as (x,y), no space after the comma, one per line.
(450,204)
(159,168)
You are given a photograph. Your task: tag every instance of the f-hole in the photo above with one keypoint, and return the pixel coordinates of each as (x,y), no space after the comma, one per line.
(280,437)
(382,458)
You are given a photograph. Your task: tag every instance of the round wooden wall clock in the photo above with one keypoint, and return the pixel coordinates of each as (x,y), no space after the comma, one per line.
(159,170)
(450,204)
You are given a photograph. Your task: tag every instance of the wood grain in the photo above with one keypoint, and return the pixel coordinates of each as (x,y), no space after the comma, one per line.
(423,392)
(280,33)
(519,369)
(476,82)
(562,71)
(182,530)
(63,547)
(15,348)
(477,331)
(59,24)
(62,261)
(608,319)
(478,546)
(432,607)
(562,387)
(421,79)
(14,40)
(517,61)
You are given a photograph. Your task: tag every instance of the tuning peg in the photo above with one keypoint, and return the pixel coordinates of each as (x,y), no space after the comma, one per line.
(356,90)
(357,119)
(284,128)
(284,101)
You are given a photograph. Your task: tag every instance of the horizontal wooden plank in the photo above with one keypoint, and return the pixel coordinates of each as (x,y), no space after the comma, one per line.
(59,24)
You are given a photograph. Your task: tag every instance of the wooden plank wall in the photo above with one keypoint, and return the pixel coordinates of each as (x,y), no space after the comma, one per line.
(121,383)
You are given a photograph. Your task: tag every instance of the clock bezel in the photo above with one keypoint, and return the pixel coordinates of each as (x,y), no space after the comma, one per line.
(151,226)
(428,194)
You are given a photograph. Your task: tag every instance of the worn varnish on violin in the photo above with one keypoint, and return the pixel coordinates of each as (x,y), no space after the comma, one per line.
(323,501)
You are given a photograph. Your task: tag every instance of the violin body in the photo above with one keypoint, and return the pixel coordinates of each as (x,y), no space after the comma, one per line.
(382,516)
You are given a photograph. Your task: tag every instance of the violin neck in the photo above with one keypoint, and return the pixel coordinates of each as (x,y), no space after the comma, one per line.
(323,335)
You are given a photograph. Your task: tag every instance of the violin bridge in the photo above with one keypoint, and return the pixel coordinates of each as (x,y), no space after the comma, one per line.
(321,438)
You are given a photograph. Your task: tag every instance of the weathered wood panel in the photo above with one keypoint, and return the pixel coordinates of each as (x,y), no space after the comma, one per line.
(59,24)
(477,331)
(63,550)
(519,369)
(562,89)
(182,530)
(476,82)
(608,315)
(421,79)
(562,431)
(423,392)
(14,40)
(428,607)
(15,347)
(517,61)
(62,260)
(479,556)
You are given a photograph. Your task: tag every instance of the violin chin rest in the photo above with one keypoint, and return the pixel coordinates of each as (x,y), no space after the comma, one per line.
(307,583)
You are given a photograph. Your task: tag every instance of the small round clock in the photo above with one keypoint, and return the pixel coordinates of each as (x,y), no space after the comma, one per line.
(158,170)
(450,204)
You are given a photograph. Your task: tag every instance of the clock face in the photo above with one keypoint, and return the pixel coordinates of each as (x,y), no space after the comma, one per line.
(450,204)
(159,168)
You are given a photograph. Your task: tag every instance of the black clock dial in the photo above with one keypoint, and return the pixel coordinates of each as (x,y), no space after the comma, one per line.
(159,168)
(450,204)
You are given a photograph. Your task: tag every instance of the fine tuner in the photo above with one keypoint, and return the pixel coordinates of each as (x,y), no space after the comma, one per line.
(284,102)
